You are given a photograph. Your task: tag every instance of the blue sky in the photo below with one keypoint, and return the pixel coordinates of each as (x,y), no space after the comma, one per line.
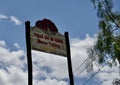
(78,17)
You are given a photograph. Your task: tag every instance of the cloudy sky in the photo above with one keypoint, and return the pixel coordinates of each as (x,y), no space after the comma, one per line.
(77,17)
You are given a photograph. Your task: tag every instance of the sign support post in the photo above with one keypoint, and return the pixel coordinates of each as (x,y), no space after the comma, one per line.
(29,57)
(58,44)
(69,59)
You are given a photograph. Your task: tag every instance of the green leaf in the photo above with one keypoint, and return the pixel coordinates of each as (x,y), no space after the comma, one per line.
(108,39)
(102,24)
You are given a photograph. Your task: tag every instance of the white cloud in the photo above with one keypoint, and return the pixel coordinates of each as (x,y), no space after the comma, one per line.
(14,76)
(79,53)
(50,82)
(12,65)
(51,66)
(10,18)
(16,45)
(15,20)
(2,43)
(51,69)
(3,16)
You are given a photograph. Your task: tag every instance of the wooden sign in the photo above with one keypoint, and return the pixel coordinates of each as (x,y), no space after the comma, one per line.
(47,41)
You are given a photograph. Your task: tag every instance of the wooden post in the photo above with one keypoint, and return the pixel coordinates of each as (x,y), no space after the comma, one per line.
(69,59)
(29,57)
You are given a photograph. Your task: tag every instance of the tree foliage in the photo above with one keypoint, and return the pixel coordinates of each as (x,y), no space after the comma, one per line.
(108,39)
